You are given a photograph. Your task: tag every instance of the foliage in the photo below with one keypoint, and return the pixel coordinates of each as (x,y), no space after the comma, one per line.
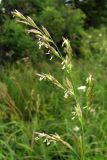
(95,11)
(75,20)
(94,41)
(82,111)
(60,20)
(53,21)
(52,114)
(37,120)
(16,43)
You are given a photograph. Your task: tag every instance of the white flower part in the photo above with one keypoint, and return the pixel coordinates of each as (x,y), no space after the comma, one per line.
(85,107)
(51,58)
(63,43)
(62,62)
(40,45)
(90,36)
(76,129)
(89,79)
(37,138)
(63,67)
(3,10)
(46,46)
(40,135)
(74,113)
(73,118)
(66,95)
(44,140)
(100,35)
(41,78)
(48,52)
(83,88)
(48,143)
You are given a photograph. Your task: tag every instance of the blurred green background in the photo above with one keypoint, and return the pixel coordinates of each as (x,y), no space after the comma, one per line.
(41,106)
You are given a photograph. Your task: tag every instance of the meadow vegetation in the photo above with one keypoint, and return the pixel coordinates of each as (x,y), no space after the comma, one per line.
(53,103)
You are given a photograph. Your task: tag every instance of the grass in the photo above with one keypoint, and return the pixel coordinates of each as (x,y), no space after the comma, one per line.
(52,114)
(31,109)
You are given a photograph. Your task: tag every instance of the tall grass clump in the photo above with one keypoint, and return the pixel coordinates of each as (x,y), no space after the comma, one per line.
(79,142)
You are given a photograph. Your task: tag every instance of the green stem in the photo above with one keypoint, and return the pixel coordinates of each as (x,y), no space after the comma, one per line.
(82,142)
(82,154)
